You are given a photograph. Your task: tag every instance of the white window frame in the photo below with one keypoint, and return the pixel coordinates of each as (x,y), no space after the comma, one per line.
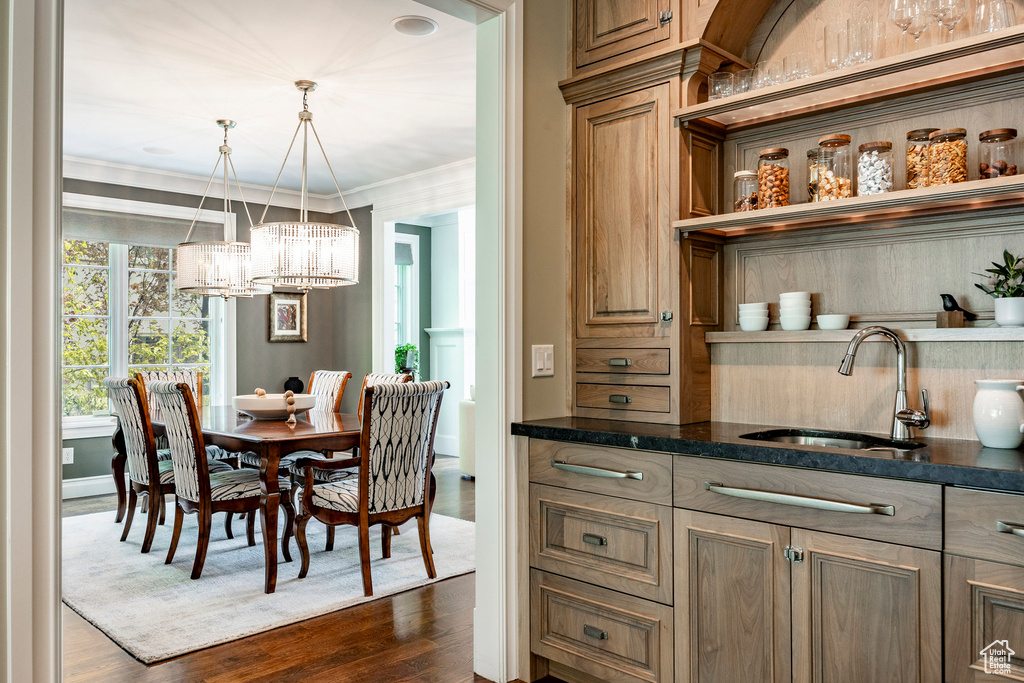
(411,314)
(222,314)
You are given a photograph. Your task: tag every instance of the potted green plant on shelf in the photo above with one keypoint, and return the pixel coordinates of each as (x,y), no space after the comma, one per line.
(1006,285)
(407,359)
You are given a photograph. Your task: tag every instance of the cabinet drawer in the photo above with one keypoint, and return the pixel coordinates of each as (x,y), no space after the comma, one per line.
(612,542)
(616,637)
(637,475)
(623,361)
(986,525)
(907,513)
(625,397)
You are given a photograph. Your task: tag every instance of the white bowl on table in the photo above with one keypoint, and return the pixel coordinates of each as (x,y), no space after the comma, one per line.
(795,309)
(793,323)
(271,406)
(795,296)
(754,314)
(833,322)
(754,324)
(754,307)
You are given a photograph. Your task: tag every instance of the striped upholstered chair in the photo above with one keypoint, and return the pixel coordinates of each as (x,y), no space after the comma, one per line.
(393,481)
(148,477)
(198,491)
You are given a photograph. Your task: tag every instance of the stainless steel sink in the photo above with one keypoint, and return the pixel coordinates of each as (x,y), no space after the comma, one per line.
(827,439)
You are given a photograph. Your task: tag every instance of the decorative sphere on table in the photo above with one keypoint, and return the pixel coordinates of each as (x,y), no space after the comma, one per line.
(290,400)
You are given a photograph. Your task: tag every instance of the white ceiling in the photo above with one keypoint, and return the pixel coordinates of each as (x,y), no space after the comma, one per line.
(145,73)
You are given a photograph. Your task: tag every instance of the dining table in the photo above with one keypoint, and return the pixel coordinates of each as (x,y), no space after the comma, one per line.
(321,431)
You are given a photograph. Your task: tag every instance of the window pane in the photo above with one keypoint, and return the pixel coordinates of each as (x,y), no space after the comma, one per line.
(148,294)
(190,305)
(85,341)
(148,342)
(149,257)
(82,252)
(84,291)
(191,343)
(84,393)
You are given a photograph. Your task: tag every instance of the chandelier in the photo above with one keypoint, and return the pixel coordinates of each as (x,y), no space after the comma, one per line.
(218,268)
(305,254)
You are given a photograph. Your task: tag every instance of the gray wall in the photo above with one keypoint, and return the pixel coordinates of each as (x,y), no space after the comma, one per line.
(338,320)
(424,257)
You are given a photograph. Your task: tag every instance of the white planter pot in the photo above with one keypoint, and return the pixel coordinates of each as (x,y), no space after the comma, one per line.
(1010,312)
(999,413)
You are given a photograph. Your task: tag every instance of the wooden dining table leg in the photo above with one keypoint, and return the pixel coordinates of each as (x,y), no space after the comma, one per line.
(270,501)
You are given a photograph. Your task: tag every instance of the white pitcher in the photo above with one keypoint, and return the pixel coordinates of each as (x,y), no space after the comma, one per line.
(999,413)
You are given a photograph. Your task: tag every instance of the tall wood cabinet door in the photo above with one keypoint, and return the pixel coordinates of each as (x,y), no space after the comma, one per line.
(623,227)
(984,621)
(732,600)
(865,611)
(606,28)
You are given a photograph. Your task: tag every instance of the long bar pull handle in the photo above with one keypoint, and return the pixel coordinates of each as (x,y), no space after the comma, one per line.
(620,398)
(594,539)
(620,362)
(595,471)
(594,632)
(800,501)
(1010,528)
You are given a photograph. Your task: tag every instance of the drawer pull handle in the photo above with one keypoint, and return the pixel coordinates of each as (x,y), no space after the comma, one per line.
(594,539)
(620,398)
(595,471)
(620,362)
(1010,528)
(800,501)
(594,632)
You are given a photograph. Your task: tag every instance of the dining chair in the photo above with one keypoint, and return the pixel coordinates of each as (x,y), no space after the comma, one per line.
(148,477)
(198,491)
(393,481)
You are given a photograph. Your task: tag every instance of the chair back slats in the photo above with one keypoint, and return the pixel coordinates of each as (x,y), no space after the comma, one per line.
(400,440)
(372,379)
(130,406)
(328,386)
(184,435)
(193,378)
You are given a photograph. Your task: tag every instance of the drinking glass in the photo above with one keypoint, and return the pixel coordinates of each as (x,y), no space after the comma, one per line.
(744,81)
(798,65)
(919,21)
(956,11)
(836,50)
(993,15)
(938,11)
(901,13)
(719,85)
(769,73)
(862,31)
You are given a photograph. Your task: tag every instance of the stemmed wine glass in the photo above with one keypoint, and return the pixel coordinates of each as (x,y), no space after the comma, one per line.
(937,10)
(901,13)
(956,11)
(919,20)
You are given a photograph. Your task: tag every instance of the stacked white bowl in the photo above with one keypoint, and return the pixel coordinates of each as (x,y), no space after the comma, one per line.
(754,317)
(795,310)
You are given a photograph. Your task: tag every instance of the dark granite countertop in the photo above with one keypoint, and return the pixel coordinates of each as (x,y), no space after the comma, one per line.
(945,461)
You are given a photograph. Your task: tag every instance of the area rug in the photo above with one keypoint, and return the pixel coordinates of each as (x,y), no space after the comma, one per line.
(155,611)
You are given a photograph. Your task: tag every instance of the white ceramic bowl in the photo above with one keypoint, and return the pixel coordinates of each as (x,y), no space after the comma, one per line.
(786,306)
(795,322)
(795,310)
(833,322)
(754,324)
(789,296)
(271,406)
(754,307)
(754,314)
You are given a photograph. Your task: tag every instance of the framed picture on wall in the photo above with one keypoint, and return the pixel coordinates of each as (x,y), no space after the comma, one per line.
(286,317)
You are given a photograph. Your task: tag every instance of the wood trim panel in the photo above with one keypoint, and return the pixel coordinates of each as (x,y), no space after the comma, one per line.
(608,28)
(971,526)
(639,398)
(641,361)
(917,518)
(654,487)
(566,533)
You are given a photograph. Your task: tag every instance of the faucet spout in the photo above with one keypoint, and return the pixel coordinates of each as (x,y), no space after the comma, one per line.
(900,430)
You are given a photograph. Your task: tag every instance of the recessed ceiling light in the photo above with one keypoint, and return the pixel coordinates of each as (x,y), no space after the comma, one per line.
(157,150)
(412,25)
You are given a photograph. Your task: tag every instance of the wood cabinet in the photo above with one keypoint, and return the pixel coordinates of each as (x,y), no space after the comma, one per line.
(604,29)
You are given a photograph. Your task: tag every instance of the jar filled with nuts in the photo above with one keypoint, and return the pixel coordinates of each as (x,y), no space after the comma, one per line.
(874,168)
(947,157)
(835,167)
(773,178)
(744,186)
(812,175)
(917,157)
(997,153)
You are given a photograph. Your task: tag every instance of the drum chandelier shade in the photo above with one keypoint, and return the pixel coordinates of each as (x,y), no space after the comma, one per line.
(221,269)
(305,254)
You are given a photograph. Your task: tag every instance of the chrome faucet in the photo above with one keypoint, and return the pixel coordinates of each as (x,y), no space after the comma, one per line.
(903,418)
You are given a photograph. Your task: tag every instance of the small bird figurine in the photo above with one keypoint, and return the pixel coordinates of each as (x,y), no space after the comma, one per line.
(949,303)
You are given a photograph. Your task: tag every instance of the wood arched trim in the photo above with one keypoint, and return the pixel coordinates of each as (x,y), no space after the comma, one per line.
(732,22)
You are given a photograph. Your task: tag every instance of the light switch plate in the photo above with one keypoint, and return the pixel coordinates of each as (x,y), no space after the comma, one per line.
(543,360)
(68,456)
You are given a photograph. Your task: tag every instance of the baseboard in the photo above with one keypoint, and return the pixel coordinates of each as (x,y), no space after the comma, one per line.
(84,487)
(447,444)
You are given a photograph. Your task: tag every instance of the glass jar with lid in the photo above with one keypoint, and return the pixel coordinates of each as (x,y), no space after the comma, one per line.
(812,174)
(874,168)
(835,167)
(947,157)
(744,187)
(773,177)
(917,157)
(997,153)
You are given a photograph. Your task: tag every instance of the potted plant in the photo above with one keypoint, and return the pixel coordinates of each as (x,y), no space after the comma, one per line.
(1006,286)
(407,359)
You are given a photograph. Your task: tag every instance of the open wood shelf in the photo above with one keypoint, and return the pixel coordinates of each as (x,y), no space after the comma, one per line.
(961,61)
(963,334)
(842,213)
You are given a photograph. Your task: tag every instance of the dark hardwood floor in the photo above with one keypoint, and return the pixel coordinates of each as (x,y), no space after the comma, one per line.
(423,635)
